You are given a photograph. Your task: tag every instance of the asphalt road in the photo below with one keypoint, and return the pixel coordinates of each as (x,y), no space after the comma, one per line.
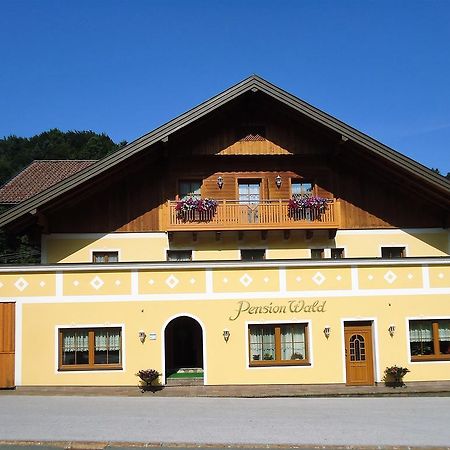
(415,421)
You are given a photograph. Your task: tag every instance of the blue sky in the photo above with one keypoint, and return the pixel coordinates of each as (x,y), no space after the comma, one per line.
(126,67)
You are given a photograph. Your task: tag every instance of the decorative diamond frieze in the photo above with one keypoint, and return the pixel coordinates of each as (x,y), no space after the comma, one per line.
(21,284)
(318,278)
(172,281)
(390,276)
(246,280)
(97,283)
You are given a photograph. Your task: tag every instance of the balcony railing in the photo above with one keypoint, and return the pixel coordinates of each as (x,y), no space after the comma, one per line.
(268,214)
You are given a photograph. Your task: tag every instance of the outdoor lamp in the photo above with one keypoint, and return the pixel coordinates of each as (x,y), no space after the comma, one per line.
(220,182)
(278,181)
(391,330)
(327,331)
(142,336)
(226,335)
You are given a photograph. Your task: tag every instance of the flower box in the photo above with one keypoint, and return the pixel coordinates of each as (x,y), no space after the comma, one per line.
(194,209)
(307,207)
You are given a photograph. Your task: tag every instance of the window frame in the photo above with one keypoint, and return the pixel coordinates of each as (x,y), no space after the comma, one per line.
(435,335)
(248,250)
(402,247)
(189,194)
(94,253)
(302,182)
(91,366)
(305,362)
(173,251)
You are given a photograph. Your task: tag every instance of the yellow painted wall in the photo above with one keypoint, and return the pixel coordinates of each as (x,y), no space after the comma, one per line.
(142,247)
(227,362)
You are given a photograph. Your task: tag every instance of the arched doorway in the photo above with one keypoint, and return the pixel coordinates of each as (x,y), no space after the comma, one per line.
(183,339)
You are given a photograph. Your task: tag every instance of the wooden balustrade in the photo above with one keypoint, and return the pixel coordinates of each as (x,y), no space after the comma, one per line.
(268,214)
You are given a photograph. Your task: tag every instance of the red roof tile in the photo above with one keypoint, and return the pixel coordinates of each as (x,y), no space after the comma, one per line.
(38,176)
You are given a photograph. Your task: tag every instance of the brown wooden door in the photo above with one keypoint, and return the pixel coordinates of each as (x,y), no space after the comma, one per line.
(7,321)
(359,353)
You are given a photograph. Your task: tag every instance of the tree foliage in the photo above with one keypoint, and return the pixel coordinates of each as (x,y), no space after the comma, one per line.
(17,152)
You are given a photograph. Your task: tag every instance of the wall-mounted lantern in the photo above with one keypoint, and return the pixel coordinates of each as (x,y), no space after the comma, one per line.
(142,336)
(278,181)
(327,331)
(220,182)
(226,335)
(391,330)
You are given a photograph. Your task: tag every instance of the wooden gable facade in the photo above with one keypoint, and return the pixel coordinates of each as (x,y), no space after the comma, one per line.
(254,136)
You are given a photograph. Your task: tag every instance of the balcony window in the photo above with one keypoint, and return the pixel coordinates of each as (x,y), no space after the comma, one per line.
(301,188)
(189,188)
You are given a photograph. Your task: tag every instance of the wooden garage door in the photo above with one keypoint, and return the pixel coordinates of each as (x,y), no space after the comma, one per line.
(7,320)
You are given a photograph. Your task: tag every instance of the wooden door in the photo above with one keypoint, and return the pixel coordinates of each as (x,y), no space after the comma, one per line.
(7,321)
(359,353)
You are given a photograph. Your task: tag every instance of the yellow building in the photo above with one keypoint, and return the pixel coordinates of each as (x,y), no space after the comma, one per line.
(252,240)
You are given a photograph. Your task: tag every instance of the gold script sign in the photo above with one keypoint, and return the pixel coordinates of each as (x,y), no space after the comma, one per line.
(292,306)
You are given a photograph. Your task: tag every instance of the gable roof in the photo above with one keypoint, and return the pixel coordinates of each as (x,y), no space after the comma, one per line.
(38,176)
(253,83)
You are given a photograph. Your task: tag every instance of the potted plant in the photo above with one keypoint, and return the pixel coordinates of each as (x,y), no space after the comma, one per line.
(307,207)
(148,376)
(296,356)
(267,357)
(393,376)
(194,208)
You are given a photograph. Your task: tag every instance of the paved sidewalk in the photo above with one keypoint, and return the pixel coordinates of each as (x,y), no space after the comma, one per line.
(432,388)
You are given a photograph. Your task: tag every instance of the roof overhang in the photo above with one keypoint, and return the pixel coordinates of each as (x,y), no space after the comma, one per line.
(251,84)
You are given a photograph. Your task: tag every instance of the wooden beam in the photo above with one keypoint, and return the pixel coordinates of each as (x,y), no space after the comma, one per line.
(286,234)
(218,235)
(309,234)
(332,233)
(263,235)
(170,236)
(194,236)
(240,235)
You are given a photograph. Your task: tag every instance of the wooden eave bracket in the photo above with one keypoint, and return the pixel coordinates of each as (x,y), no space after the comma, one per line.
(263,235)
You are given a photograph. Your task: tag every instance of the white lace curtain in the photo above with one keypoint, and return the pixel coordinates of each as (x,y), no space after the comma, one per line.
(76,341)
(423,331)
(292,342)
(262,343)
(107,340)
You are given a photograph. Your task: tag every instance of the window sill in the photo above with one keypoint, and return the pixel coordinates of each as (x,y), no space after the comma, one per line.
(88,368)
(430,358)
(268,363)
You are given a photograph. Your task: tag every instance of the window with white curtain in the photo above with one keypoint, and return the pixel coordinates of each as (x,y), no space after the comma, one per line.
(278,344)
(90,348)
(429,339)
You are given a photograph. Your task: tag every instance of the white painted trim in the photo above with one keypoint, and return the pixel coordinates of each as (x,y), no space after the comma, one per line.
(408,349)
(18,345)
(228,296)
(309,349)
(84,325)
(375,345)
(134,283)
(383,231)
(163,345)
(307,263)
(354,278)
(209,281)
(327,253)
(426,276)
(59,285)
(101,236)
(282,279)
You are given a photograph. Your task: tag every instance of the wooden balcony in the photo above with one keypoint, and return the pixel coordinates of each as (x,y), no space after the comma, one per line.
(266,215)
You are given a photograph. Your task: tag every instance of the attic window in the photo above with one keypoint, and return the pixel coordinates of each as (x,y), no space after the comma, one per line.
(251,133)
